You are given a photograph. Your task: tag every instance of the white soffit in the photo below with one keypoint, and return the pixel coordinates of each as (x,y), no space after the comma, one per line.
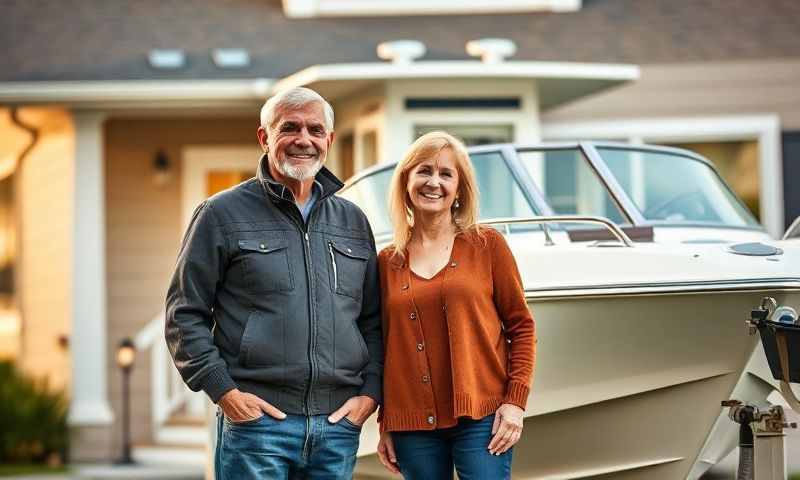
(104,94)
(558,82)
(365,8)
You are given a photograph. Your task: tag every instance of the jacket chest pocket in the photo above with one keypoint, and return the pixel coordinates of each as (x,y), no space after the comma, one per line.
(348,265)
(266,265)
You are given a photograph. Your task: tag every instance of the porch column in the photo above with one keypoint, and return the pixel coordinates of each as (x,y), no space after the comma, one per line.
(90,405)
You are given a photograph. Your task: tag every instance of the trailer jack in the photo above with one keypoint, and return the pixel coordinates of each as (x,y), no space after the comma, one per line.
(761,451)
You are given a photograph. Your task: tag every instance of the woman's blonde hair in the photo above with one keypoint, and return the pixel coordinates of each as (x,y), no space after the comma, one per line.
(465,217)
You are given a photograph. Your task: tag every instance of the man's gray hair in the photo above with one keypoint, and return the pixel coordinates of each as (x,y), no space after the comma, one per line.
(294,98)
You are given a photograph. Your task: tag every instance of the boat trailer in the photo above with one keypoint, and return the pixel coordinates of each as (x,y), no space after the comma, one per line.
(761,429)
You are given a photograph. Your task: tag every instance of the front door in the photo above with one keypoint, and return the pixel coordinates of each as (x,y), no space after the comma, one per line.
(208,170)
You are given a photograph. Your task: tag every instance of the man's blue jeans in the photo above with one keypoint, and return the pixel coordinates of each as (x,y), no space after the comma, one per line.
(431,455)
(297,447)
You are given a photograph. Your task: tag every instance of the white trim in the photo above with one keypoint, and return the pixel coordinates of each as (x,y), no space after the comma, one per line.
(109,93)
(763,128)
(197,160)
(459,69)
(89,404)
(400,122)
(332,8)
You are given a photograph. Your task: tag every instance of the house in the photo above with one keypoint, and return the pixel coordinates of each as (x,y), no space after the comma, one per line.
(117,118)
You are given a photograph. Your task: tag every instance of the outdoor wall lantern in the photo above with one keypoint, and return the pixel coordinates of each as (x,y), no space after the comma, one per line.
(126,355)
(162,169)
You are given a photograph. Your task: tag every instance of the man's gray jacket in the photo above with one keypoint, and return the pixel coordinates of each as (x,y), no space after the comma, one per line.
(277,307)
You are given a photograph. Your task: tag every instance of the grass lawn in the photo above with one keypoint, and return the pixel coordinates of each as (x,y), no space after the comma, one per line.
(11,470)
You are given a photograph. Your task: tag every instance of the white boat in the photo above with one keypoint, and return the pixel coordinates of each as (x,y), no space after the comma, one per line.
(639,341)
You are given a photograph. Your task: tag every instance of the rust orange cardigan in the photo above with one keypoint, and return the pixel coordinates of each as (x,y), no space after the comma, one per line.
(491,334)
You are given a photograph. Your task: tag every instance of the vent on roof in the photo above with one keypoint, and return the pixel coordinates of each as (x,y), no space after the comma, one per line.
(401,51)
(167,58)
(231,57)
(492,50)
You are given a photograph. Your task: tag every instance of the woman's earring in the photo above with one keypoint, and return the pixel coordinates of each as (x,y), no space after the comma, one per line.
(456,204)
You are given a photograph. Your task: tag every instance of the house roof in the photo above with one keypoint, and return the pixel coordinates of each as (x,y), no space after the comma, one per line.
(48,40)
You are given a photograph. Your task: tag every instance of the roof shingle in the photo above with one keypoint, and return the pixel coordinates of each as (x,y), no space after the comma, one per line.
(110,39)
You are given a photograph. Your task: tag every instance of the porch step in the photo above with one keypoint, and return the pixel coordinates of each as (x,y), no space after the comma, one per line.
(182,435)
(169,455)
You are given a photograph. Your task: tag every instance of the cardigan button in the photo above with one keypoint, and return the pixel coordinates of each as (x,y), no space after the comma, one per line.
(420,347)
(425,379)
(431,419)
(413,316)
(453,264)
(404,287)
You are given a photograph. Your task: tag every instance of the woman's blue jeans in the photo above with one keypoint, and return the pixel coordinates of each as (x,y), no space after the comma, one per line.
(297,447)
(432,455)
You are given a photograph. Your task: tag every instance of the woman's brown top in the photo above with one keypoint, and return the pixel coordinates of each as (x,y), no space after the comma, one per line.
(489,333)
(427,297)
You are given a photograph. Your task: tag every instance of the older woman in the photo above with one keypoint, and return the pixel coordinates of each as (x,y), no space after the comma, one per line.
(458,335)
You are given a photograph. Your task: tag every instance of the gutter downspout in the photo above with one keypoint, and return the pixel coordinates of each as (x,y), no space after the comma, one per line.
(35,134)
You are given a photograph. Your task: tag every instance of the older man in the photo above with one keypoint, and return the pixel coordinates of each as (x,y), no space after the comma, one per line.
(274,309)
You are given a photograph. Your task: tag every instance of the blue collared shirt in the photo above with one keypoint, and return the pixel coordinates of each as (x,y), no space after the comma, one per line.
(305,209)
(283,192)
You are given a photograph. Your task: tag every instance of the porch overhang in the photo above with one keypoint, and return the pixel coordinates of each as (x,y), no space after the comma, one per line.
(558,82)
(138,94)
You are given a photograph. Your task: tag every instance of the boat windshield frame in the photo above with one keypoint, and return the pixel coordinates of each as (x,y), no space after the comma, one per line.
(595,160)
(793,231)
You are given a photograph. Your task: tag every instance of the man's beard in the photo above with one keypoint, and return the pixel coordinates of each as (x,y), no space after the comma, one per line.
(298,172)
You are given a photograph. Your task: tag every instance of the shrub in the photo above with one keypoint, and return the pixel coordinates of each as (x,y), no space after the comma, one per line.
(33,419)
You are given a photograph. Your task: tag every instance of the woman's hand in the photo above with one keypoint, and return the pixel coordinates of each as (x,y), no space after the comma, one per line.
(386,453)
(507,428)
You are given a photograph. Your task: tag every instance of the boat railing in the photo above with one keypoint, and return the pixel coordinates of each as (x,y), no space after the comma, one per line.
(615,230)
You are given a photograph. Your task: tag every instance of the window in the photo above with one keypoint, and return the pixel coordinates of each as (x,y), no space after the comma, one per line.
(471,134)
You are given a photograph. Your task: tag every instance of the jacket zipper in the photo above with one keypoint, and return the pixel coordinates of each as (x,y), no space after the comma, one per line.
(311,313)
(333,262)
(312,330)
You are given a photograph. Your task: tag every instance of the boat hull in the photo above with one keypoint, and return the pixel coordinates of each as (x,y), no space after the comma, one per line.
(627,386)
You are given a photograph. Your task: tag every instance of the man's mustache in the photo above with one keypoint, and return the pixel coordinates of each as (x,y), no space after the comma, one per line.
(301,152)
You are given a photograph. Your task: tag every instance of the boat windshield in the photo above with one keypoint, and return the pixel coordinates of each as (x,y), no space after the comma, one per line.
(501,195)
(670,188)
(569,184)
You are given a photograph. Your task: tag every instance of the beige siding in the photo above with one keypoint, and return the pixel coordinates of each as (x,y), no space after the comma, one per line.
(143,230)
(704,89)
(44,201)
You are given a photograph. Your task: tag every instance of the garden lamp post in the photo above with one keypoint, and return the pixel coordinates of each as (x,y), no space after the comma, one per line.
(126,354)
